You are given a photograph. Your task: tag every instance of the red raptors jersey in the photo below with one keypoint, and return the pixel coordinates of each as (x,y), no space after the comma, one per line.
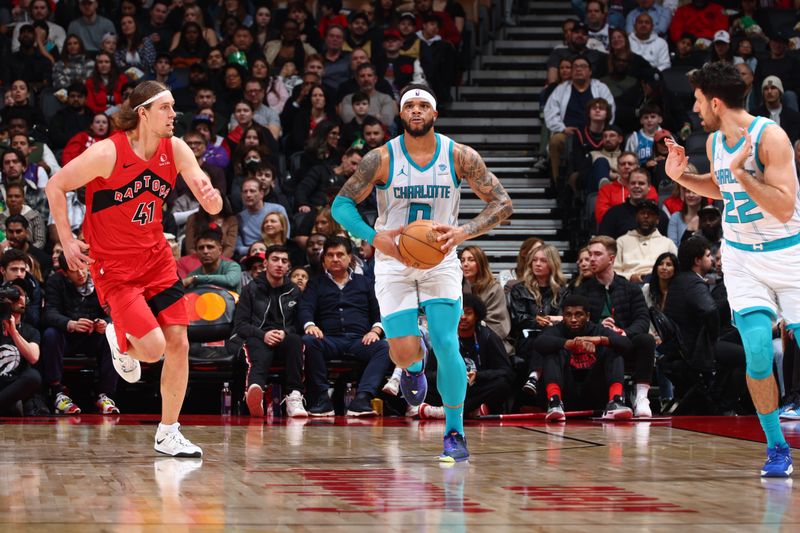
(124,212)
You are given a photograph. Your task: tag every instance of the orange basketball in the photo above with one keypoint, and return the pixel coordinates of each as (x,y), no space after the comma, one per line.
(418,244)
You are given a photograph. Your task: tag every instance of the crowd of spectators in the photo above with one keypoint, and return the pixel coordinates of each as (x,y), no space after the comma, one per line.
(280,104)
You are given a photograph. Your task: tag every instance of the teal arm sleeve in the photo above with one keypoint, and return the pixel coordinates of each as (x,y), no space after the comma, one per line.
(344,211)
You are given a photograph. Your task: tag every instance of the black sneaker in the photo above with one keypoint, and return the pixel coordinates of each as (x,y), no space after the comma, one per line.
(617,410)
(555,410)
(530,387)
(322,407)
(361,406)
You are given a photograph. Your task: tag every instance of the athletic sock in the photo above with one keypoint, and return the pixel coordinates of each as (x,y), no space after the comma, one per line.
(168,428)
(553,390)
(614,390)
(397,372)
(416,368)
(641,390)
(771,424)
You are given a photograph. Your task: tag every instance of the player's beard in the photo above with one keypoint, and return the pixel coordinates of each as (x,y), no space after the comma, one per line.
(417,132)
(710,123)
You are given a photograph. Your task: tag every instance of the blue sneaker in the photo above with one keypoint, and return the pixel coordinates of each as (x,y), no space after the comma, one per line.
(779,462)
(414,386)
(455,448)
(790,411)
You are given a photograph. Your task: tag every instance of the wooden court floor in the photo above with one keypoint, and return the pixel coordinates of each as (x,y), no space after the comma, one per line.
(93,473)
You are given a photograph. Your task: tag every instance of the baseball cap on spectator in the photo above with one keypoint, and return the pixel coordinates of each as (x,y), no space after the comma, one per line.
(661,134)
(108,35)
(408,15)
(197,119)
(722,36)
(709,210)
(392,33)
(27,27)
(580,26)
(772,81)
(358,15)
(616,129)
(652,77)
(250,260)
(779,36)
(648,204)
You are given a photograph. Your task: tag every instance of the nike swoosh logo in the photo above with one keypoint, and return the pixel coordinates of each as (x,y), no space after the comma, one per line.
(160,441)
(128,165)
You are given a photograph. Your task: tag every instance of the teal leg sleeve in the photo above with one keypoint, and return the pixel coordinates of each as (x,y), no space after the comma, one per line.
(451,378)
(756,332)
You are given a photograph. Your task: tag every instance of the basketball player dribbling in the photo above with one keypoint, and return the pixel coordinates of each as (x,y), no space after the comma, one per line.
(417,176)
(127,177)
(752,170)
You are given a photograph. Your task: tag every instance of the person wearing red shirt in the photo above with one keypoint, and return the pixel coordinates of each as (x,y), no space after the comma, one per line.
(701,18)
(617,191)
(104,88)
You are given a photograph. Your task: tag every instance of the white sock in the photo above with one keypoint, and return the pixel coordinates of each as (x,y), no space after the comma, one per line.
(397,372)
(168,428)
(641,390)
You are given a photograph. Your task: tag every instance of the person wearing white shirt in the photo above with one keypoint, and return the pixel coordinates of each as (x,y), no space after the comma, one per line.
(647,44)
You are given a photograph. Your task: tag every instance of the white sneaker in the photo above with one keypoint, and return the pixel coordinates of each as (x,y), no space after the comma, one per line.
(412,411)
(392,387)
(125,365)
(174,444)
(294,405)
(255,400)
(427,411)
(641,408)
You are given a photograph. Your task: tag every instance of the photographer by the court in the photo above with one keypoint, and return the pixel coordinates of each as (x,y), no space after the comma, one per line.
(19,350)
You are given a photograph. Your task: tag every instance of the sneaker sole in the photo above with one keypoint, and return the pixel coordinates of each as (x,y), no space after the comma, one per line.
(785,416)
(322,415)
(362,414)
(787,473)
(448,459)
(298,415)
(555,417)
(529,391)
(180,454)
(625,414)
(391,391)
(255,401)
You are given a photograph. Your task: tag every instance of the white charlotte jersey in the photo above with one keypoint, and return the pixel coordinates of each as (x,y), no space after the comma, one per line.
(744,222)
(415,193)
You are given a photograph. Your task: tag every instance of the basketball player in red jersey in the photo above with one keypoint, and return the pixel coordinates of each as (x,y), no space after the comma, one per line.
(127,177)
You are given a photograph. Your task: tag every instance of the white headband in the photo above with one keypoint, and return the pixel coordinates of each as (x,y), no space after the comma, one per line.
(153,98)
(418,93)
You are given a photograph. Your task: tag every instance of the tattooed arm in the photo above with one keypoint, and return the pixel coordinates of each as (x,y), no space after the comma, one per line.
(470,167)
(372,169)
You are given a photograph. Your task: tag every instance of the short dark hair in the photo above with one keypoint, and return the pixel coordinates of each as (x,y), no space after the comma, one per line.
(575,300)
(720,80)
(18,219)
(16,185)
(476,304)
(359,96)
(649,109)
(364,66)
(692,248)
(335,241)
(17,152)
(274,249)
(77,88)
(212,232)
(13,254)
(369,120)
(62,262)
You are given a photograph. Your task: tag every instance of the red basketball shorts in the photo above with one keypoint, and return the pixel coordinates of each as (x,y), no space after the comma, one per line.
(142,291)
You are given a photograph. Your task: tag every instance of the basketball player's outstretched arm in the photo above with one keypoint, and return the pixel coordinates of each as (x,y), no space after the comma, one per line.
(373,168)
(197,180)
(471,167)
(675,167)
(777,193)
(97,160)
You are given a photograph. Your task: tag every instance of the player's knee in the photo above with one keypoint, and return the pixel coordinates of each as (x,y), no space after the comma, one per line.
(404,351)
(151,347)
(758,351)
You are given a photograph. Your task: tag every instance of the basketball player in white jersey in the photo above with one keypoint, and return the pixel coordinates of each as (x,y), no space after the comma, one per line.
(753,172)
(418,176)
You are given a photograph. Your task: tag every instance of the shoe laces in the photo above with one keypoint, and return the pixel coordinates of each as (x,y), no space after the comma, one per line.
(294,400)
(453,441)
(776,455)
(176,437)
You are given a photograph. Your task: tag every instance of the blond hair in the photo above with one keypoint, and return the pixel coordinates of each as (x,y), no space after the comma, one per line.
(555,280)
(284,225)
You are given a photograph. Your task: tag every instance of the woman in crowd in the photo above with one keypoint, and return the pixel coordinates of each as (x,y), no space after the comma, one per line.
(104,87)
(655,295)
(507,278)
(194,14)
(97,131)
(191,48)
(73,64)
(478,280)
(275,230)
(134,49)
(534,304)
(683,223)
(584,269)
(314,112)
